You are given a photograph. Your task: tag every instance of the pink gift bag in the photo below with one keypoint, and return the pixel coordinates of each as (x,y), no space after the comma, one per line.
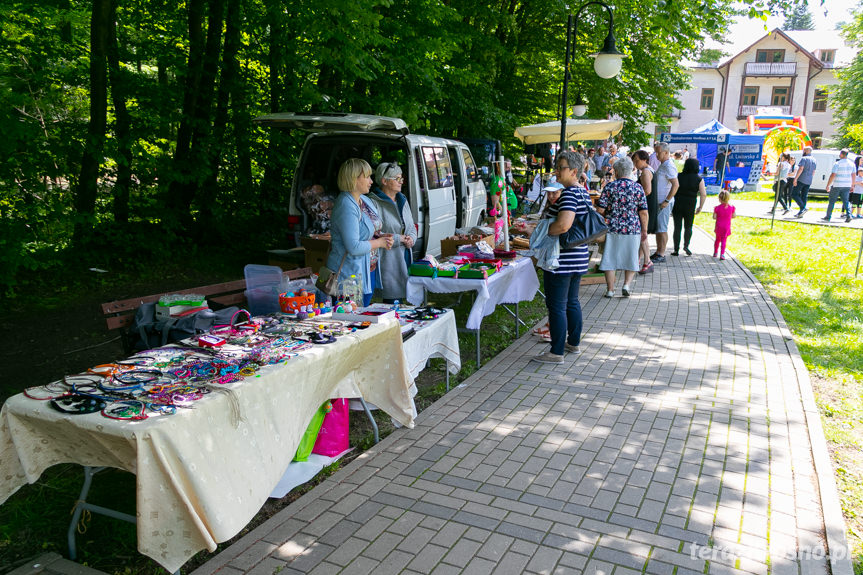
(334,435)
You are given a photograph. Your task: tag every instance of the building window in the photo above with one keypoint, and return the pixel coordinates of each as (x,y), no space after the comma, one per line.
(770,56)
(750,95)
(707,98)
(816,139)
(828,56)
(819,101)
(780,96)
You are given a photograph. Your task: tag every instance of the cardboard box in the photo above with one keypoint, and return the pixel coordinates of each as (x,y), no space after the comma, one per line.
(450,247)
(317,250)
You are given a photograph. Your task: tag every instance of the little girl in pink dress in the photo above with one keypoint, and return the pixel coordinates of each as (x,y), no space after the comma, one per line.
(723,213)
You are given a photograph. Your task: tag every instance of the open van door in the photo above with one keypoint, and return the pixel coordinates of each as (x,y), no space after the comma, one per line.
(470,190)
(437,185)
(334,122)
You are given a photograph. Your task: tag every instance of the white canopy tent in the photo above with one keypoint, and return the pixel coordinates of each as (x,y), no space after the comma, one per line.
(549,132)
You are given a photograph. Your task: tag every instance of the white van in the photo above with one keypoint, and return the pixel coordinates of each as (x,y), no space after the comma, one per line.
(824,160)
(442,183)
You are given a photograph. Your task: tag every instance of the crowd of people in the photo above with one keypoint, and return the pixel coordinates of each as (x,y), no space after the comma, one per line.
(639,196)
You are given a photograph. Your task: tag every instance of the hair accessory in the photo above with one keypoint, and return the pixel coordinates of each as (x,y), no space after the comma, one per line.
(78,404)
(132,410)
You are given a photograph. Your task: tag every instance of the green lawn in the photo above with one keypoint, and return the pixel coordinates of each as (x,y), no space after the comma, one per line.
(809,273)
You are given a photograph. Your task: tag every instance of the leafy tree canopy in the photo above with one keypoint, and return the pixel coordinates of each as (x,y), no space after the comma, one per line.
(799,19)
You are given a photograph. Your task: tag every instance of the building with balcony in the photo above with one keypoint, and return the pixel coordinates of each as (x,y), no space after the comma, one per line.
(791,71)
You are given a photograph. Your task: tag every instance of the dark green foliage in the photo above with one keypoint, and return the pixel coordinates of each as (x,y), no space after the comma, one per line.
(178,149)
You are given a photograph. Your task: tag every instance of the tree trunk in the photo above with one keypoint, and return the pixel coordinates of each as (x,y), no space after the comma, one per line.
(85,198)
(202,126)
(227,87)
(122,126)
(273,175)
(177,208)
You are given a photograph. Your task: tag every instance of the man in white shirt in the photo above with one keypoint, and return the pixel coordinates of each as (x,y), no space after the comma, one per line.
(653,161)
(666,188)
(843,176)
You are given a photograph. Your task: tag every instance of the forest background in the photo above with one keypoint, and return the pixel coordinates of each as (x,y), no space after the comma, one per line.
(127,126)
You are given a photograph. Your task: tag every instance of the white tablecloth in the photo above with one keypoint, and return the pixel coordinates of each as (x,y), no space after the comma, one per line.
(202,474)
(436,338)
(514,283)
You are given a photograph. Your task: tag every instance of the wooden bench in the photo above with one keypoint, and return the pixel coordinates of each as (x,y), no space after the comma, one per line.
(121,314)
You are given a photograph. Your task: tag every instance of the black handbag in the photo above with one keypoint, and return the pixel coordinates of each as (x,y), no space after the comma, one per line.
(585,228)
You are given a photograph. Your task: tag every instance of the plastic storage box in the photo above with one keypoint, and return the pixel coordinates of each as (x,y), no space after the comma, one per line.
(263,286)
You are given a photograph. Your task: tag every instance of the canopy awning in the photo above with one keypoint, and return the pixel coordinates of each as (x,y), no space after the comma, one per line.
(549,132)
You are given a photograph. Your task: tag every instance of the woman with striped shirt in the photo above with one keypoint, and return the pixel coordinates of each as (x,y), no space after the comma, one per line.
(562,284)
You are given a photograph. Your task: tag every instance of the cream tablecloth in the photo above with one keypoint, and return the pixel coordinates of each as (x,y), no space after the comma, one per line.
(436,338)
(202,474)
(514,283)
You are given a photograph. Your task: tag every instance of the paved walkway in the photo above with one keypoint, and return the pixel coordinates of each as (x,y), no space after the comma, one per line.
(760,209)
(684,439)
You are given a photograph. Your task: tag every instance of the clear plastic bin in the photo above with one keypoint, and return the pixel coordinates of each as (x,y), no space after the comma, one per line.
(263,286)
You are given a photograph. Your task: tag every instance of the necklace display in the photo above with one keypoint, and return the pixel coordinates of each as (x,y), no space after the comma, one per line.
(159,381)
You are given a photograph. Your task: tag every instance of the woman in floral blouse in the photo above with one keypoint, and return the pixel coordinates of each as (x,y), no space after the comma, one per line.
(624,205)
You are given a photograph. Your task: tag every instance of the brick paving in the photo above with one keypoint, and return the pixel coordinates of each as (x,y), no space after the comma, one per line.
(684,439)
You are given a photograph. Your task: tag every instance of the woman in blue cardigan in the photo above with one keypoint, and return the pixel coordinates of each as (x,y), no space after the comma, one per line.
(354,226)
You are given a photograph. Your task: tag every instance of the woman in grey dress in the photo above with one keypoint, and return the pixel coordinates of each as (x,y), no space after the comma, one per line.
(394,210)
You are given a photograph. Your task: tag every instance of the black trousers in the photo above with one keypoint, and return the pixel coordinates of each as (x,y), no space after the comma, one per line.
(684,217)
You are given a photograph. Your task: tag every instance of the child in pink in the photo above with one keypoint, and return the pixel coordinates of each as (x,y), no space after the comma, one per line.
(723,213)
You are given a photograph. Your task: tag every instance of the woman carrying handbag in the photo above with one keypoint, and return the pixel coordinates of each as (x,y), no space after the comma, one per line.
(562,284)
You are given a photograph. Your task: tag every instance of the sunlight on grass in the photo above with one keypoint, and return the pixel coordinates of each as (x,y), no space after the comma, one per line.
(809,273)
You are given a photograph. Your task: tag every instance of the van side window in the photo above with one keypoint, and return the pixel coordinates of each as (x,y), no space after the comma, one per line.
(471,173)
(438,168)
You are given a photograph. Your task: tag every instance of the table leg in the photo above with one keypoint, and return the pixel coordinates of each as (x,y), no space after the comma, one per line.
(371,418)
(82,506)
(478,362)
(517,320)
(446,369)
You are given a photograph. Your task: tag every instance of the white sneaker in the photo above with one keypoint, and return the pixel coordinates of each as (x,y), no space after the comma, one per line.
(625,291)
(609,293)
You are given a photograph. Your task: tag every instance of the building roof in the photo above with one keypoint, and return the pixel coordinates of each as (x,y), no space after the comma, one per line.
(811,42)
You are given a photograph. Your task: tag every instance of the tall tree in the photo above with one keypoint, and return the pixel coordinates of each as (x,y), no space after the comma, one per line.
(847,96)
(799,19)
(122,124)
(91,159)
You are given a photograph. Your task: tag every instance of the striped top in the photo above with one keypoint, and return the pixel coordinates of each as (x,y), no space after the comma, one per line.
(575,260)
(844,169)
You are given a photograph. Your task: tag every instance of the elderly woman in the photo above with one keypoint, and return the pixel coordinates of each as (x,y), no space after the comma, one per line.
(691,190)
(354,226)
(624,205)
(562,284)
(396,218)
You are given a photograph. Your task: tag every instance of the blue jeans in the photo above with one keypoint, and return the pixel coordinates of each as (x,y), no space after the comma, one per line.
(835,194)
(367,299)
(800,194)
(564,309)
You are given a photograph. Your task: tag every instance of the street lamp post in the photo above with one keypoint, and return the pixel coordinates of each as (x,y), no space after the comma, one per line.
(607,62)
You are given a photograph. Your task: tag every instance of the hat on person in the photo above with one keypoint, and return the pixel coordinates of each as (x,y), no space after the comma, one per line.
(553,187)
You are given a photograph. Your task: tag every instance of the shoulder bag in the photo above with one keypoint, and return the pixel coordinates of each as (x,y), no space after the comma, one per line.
(328,281)
(585,228)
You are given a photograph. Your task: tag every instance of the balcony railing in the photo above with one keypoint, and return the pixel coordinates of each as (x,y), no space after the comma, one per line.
(750,110)
(771,68)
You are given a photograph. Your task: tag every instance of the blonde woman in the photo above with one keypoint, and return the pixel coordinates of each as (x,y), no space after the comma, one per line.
(354,225)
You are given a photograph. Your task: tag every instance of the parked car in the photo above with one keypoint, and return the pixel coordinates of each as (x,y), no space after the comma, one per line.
(442,182)
(824,160)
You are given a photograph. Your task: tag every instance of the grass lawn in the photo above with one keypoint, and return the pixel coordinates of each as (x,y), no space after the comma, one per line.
(809,273)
